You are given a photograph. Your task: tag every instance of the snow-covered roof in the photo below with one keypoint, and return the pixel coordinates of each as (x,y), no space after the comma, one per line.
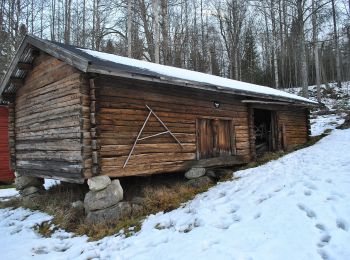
(194,76)
(110,64)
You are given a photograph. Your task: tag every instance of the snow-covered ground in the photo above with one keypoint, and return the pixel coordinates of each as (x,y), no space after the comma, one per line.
(296,207)
(334,99)
(324,122)
(332,96)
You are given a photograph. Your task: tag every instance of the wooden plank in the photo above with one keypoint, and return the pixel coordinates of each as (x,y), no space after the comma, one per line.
(53,174)
(119,150)
(218,161)
(24,66)
(147,158)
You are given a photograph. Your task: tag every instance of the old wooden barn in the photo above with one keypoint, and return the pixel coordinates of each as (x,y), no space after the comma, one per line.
(76,113)
(6,174)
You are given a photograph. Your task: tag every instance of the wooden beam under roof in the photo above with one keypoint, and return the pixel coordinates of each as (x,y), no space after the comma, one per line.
(17,81)
(24,66)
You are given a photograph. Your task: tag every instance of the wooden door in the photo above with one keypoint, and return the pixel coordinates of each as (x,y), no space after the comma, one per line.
(214,138)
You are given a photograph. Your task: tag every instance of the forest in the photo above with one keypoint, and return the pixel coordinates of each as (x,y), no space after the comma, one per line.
(276,43)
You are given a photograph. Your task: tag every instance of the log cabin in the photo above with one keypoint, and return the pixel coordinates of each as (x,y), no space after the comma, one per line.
(6,174)
(76,113)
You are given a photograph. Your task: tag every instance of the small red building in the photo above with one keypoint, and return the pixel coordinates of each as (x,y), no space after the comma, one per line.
(6,175)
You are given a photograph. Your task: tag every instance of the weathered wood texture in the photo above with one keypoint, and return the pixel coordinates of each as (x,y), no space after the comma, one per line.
(68,125)
(51,122)
(5,172)
(121,111)
(293,127)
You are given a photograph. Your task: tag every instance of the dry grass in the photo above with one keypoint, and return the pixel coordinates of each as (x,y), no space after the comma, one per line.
(6,186)
(163,198)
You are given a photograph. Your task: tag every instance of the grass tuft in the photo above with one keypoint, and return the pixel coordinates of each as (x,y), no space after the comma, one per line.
(46,228)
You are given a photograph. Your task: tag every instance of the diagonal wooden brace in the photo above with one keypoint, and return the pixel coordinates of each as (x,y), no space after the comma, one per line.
(140,132)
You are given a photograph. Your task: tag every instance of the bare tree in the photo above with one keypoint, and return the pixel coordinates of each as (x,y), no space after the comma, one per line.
(315,48)
(336,43)
(129,28)
(155,23)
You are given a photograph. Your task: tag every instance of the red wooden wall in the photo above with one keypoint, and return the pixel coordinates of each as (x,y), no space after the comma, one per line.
(5,173)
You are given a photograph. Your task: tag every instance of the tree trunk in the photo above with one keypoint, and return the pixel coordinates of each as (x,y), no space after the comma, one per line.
(302,50)
(156,30)
(337,54)
(315,47)
(274,44)
(67,21)
(84,33)
(129,28)
(165,33)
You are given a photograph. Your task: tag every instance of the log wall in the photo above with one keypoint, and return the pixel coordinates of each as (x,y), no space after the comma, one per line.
(70,126)
(293,125)
(51,126)
(121,111)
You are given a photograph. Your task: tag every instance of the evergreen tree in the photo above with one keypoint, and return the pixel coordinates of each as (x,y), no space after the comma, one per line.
(250,60)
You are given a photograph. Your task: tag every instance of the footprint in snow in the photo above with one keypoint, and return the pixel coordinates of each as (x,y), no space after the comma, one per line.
(264,198)
(337,194)
(307,192)
(341,224)
(42,250)
(320,227)
(323,254)
(310,213)
(324,240)
(236,218)
(62,247)
(331,198)
(234,208)
(257,215)
(310,186)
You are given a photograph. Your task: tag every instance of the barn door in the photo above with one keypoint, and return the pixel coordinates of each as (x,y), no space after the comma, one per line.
(214,138)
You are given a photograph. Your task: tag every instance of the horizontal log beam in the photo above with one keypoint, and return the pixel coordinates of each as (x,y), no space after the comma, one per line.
(219,161)
(17,81)
(24,66)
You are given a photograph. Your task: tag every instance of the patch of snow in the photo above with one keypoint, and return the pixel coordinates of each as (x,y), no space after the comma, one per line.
(343,94)
(296,207)
(7,193)
(194,76)
(324,122)
(50,182)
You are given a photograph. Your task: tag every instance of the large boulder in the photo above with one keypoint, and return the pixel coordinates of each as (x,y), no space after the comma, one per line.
(23,182)
(116,212)
(194,173)
(96,200)
(99,183)
(200,182)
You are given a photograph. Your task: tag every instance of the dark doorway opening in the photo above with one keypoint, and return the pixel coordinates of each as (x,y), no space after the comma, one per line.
(265,131)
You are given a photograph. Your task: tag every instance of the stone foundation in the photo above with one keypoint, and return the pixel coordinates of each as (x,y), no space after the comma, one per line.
(29,187)
(104,201)
(201,177)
